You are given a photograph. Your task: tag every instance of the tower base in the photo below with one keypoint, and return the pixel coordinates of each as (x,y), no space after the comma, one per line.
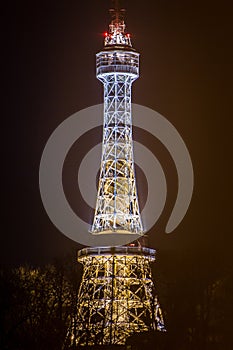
(116,297)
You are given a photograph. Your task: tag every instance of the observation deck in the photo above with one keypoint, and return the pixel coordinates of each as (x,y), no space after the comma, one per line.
(117,61)
(144,252)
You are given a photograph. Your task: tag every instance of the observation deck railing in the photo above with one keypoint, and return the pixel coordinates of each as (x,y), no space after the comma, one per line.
(117,62)
(117,68)
(124,250)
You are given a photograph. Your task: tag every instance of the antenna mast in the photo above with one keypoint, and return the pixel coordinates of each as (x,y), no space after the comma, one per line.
(117,14)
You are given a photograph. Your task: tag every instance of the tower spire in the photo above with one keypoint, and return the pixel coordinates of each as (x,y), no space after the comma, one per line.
(116,34)
(117,9)
(117,13)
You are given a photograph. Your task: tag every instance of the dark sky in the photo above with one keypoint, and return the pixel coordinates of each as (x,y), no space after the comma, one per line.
(48,52)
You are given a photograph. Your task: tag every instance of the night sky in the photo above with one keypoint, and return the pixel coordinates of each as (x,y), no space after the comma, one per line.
(48,53)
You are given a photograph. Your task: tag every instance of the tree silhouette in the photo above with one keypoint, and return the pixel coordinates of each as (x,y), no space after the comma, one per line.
(37,305)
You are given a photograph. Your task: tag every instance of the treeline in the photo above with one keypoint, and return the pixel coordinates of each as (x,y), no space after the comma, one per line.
(36,305)
(196,293)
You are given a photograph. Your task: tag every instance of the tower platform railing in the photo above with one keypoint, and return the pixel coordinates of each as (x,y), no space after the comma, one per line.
(117,61)
(123,250)
(117,68)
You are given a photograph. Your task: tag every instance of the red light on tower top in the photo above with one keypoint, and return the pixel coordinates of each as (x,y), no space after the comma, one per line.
(116,36)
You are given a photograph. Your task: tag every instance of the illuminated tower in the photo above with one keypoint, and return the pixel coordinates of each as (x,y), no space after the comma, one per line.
(117,296)
(117,67)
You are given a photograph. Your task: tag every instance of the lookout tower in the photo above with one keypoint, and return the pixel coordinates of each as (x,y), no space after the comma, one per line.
(117,295)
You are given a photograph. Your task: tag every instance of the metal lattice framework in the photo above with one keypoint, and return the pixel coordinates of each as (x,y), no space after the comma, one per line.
(116,297)
(117,208)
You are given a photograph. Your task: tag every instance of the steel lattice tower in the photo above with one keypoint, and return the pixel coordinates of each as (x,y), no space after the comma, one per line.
(117,296)
(117,207)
